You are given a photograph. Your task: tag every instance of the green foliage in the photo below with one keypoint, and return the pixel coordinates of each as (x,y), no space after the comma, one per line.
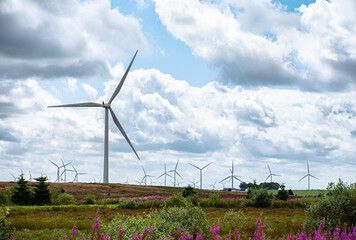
(253,187)
(337,208)
(290,192)
(270,185)
(234,220)
(42,194)
(21,194)
(188,191)
(89,199)
(261,198)
(6,231)
(215,197)
(128,204)
(164,223)
(5,196)
(55,193)
(65,198)
(282,194)
(176,200)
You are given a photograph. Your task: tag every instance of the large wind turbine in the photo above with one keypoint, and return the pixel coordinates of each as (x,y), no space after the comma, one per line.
(144,179)
(107,107)
(165,174)
(232,176)
(270,174)
(308,175)
(201,173)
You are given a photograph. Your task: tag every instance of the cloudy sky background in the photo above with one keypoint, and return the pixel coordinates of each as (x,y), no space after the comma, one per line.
(255,82)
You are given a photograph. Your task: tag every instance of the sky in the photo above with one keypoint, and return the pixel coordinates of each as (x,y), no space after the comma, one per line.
(257,83)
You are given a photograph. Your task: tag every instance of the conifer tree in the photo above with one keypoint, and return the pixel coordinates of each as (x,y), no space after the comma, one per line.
(42,194)
(21,193)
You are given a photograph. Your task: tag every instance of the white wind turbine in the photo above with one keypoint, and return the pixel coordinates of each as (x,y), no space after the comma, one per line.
(65,170)
(194,183)
(201,173)
(308,175)
(271,174)
(107,107)
(232,176)
(58,171)
(76,177)
(175,173)
(144,179)
(165,174)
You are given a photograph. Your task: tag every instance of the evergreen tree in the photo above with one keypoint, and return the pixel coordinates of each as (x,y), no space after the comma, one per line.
(42,193)
(282,194)
(21,194)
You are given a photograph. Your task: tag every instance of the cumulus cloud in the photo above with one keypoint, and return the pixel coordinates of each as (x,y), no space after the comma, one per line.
(63,38)
(92,92)
(258,43)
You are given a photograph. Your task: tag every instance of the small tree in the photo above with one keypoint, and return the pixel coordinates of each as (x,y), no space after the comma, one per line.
(188,191)
(282,194)
(21,194)
(42,194)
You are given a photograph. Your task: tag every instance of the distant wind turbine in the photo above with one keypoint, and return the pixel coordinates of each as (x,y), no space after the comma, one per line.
(65,170)
(107,107)
(232,176)
(213,185)
(144,179)
(58,171)
(194,183)
(127,180)
(165,174)
(175,173)
(308,175)
(76,177)
(270,174)
(201,173)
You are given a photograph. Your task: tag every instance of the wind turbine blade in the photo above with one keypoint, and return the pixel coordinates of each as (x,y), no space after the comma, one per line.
(314,177)
(118,88)
(237,178)
(86,104)
(160,176)
(179,175)
(176,165)
(269,169)
(53,163)
(207,165)
(116,121)
(144,170)
(225,178)
(267,177)
(303,178)
(194,166)
(276,175)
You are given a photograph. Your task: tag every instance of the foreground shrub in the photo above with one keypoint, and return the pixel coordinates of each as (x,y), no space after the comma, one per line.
(261,198)
(128,204)
(338,207)
(5,196)
(65,198)
(282,194)
(177,200)
(89,199)
(5,228)
(188,191)
(234,220)
(165,223)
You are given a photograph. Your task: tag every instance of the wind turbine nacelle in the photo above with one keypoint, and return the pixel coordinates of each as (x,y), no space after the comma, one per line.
(106,105)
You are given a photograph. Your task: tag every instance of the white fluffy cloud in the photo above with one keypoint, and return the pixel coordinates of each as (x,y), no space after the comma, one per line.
(259,43)
(167,119)
(63,38)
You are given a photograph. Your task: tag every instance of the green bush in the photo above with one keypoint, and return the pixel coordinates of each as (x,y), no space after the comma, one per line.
(21,194)
(176,200)
(89,199)
(164,223)
(282,193)
(261,198)
(65,198)
(337,208)
(5,196)
(188,191)
(234,220)
(128,204)
(6,231)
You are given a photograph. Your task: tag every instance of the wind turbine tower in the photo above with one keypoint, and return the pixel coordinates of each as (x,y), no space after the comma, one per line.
(308,175)
(270,174)
(107,107)
(175,173)
(165,174)
(201,173)
(232,176)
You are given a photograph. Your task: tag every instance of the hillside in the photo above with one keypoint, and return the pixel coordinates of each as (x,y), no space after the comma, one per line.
(117,190)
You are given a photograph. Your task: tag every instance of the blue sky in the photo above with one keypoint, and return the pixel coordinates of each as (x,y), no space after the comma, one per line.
(255,82)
